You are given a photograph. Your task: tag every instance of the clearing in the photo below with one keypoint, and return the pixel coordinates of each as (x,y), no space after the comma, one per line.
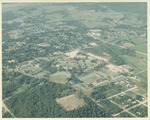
(70,102)
(72,54)
(60,77)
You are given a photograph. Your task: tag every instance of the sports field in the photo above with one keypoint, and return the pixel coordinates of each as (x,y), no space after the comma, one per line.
(59,77)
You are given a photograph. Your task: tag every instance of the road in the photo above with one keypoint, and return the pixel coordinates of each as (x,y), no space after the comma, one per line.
(123,47)
(141,53)
(6,109)
(126,110)
(95,101)
(140,72)
(122,92)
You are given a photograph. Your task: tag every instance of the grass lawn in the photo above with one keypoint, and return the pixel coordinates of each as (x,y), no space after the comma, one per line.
(91,79)
(59,78)
(138,41)
(141,55)
(41,74)
(135,63)
(141,48)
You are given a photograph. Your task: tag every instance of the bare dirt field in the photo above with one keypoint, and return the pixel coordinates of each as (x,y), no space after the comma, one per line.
(97,57)
(93,44)
(72,54)
(135,90)
(70,102)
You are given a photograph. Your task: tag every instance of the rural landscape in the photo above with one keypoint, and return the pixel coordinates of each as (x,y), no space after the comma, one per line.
(74,60)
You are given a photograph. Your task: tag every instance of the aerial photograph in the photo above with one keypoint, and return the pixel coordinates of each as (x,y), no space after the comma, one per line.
(74,60)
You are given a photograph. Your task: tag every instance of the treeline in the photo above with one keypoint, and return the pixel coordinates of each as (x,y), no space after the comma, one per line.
(12,81)
(111,107)
(40,102)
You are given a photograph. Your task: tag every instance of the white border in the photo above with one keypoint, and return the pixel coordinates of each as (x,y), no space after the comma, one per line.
(61,1)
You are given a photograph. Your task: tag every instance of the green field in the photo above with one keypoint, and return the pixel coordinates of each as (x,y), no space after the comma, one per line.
(139,55)
(41,74)
(139,41)
(91,79)
(98,50)
(141,48)
(135,63)
(143,80)
(59,78)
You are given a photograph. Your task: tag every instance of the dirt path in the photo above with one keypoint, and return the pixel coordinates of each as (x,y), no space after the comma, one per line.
(141,53)
(126,110)
(6,109)
(97,57)
(139,94)
(140,72)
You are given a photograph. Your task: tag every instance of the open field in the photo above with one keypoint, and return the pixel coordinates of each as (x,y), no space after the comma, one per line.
(135,63)
(110,72)
(141,48)
(139,41)
(70,102)
(60,77)
(91,79)
(41,74)
(72,54)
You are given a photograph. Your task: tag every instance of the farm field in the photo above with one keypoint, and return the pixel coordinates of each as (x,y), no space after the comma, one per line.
(90,78)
